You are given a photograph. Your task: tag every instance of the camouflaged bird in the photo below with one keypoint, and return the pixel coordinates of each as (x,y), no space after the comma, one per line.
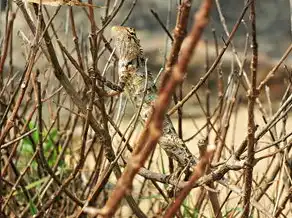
(132,79)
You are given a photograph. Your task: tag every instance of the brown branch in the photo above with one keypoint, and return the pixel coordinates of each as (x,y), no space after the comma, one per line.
(282,206)
(252,95)
(275,68)
(179,35)
(6,42)
(156,16)
(129,13)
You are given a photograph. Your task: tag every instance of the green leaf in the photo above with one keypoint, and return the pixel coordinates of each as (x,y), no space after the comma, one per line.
(49,143)
(26,147)
(33,184)
(32,208)
(34,135)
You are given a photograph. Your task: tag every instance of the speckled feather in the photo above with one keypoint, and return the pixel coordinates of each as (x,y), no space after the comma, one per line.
(133,78)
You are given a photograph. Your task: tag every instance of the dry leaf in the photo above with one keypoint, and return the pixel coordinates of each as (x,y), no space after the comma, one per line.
(62,2)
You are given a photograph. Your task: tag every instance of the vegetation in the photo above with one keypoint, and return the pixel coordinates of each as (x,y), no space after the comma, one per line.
(70,150)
